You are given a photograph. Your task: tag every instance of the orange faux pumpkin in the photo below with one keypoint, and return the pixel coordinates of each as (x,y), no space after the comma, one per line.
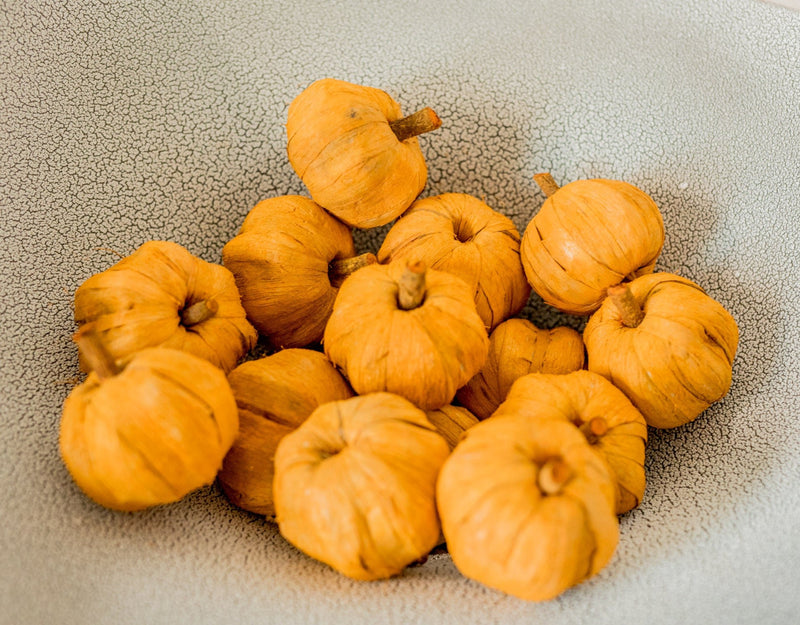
(608,420)
(452,422)
(148,432)
(163,296)
(406,330)
(517,348)
(527,507)
(587,236)
(666,344)
(356,153)
(289,258)
(274,395)
(354,485)
(458,233)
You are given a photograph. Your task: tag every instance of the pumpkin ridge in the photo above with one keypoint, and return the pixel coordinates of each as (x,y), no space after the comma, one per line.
(125,441)
(589,252)
(311,161)
(642,362)
(361,164)
(180,301)
(267,415)
(558,263)
(544,285)
(176,383)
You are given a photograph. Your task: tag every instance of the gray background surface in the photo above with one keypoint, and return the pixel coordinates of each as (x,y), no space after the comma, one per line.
(127,121)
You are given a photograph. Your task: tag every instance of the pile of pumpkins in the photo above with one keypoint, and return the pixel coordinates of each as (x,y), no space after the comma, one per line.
(433,414)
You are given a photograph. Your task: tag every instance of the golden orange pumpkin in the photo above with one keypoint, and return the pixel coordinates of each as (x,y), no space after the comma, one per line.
(527,507)
(666,344)
(406,330)
(517,348)
(458,233)
(147,433)
(587,236)
(163,296)
(356,153)
(289,258)
(274,395)
(355,483)
(611,424)
(452,422)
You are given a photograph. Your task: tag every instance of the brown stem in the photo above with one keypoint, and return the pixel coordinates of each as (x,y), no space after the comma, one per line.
(415,124)
(553,474)
(95,353)
(594,429)
(631,314)
(546,183)
(340,268)
(199,312)
(411,285)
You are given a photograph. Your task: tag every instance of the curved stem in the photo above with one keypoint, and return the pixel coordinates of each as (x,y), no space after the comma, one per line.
(340,268)
(631,314)
(199,312)
(411,291)
(553,474)
(415,124)
(95,353)
(546,183)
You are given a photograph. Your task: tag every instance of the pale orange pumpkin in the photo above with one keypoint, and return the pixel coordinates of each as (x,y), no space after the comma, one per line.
(148,432)
(356,153)
(164,296)
(458,233)
(517,348)
(355,485)
(527,507)
(587,236)
(289,258)
(408,330)
(611,424)
(667,344)
(275,395)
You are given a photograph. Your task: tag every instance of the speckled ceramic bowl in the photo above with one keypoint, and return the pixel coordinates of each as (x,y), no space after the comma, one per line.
(128,121)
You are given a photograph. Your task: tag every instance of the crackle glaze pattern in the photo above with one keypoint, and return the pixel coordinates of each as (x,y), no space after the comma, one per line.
(127,121)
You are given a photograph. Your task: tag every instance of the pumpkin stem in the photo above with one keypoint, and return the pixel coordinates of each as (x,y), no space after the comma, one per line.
(95,353)
(553,474)
(340,268)
(411,285)
(199,312)
(415,124)
(546,183)
(594,429)
(631,314)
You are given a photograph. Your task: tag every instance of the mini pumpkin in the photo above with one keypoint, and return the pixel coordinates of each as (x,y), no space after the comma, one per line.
(147,433)
(408,330)
(289,258)
(355,483)
(356,153)
(611,424)
(458,233)
(274,395)
(666,344)
(587,236)
(516,348)
(452,422)
(162,295)
(527,507)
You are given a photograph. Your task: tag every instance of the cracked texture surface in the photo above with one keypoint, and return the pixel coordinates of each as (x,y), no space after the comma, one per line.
(127,121)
